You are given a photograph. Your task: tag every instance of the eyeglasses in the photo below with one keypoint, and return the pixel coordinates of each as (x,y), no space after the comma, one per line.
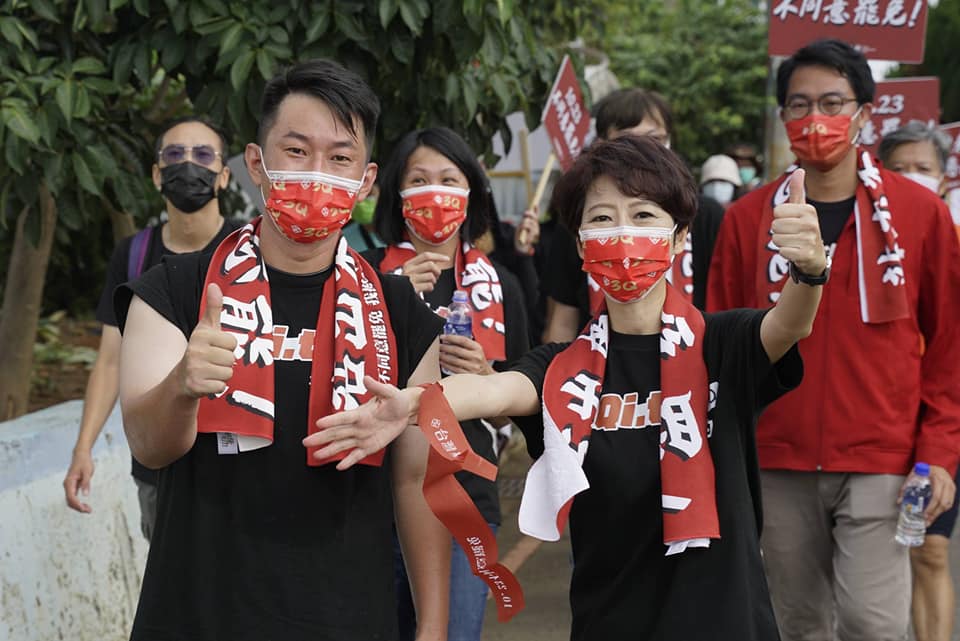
(201,154)
(829,104)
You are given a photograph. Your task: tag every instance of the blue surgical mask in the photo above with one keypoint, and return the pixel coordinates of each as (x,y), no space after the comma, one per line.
(747,174)
(720,190)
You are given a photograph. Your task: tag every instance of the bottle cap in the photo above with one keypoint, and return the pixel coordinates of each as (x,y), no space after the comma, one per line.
(460,296)
(922,469)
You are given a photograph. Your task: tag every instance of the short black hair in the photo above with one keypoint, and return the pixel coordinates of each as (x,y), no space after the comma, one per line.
(626,108)
(221,134)
(348,96)
(832,54)
(640,167)
(388,216)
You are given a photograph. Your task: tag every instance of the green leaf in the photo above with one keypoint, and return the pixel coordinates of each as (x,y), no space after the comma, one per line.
(318,26)
(215,25)
(45,9)
(53,171)
(279,35)
(414,13)
(173,52)
(96,9)
(451,89)
(350,26)
(65,95)
(82,172)
(88,65)
(231,38)
(265,64)
(10,32)
(123,63)
(17,120)
(387,10)
(470,96)
(241,69)
(117,4)
(142,7)
(13,153)
(81,106)
(27,33)
(499,86)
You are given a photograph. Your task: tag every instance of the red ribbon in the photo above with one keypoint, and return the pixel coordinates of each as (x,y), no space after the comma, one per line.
(449,453)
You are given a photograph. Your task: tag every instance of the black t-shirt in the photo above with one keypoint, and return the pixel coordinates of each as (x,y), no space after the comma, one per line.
(483,492)
(117,275)
(258,545)
(833,217)
(565,281)
(623,587)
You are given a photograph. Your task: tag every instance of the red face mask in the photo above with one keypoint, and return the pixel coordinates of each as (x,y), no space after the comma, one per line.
(434,212)
(308,206)
(627,262)
(820,141)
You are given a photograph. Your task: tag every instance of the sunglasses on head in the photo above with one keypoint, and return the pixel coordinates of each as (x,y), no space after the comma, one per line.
(201,154)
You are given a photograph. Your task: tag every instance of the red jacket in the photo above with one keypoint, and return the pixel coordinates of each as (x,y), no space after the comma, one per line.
(873,398)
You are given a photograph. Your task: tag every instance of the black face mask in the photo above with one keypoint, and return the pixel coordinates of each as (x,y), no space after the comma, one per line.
(187,186)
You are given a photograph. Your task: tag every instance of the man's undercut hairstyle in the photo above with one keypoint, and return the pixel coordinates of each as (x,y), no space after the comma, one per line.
(832,54)
(388,216)
(221,134)
(626,108)
(916,131)
(640,167)
(348,96)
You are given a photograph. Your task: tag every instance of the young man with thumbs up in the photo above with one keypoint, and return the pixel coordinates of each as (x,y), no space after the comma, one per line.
(228,361)
(834,453)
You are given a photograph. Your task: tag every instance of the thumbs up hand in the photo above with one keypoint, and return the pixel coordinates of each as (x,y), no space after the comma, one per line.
(796,230)
(208,362)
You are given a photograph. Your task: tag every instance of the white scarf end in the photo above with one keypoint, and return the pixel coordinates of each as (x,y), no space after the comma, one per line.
(680,546)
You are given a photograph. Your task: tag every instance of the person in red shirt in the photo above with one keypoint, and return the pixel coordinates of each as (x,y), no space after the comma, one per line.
(920,152)
(834,453)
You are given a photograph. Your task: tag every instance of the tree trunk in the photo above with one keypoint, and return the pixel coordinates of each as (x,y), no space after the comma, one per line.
(120,221)
(21,306)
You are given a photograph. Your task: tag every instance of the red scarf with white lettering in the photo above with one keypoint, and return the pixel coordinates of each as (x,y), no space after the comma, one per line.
(880,274)
(571,399)
(353,337)
(474,273)
(680,275)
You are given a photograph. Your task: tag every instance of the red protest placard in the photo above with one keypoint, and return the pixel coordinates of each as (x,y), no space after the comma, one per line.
(953,171)
(881,29)
(897,102)
(565,116)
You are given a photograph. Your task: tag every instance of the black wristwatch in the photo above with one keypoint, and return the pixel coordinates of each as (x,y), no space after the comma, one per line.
(799,277)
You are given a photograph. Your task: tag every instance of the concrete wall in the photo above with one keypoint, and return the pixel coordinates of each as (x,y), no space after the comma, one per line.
(66,575)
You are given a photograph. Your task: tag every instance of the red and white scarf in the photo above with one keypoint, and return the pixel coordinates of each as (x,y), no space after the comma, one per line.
(880,274)
(353,337)
(571,399)
(476,274)
(680,275)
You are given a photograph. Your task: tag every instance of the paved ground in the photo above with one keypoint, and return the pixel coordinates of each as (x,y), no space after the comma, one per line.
(545,575)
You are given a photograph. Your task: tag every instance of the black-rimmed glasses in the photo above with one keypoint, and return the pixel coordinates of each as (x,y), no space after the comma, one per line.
(829,104)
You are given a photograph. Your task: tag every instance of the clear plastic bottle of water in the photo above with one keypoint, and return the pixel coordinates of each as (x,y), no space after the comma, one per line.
(911,526)
(459,320)
(460,316)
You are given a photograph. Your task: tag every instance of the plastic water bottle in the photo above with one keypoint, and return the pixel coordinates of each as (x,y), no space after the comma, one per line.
(460,316)
(911,526)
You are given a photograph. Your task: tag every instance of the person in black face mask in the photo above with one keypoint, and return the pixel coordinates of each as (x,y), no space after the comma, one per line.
(189,172)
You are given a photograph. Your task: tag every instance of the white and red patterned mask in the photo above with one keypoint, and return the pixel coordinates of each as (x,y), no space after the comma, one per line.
(627,262)
(308,206)
(434,213)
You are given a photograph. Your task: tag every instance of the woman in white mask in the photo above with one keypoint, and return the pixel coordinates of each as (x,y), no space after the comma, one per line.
(662,505)
(720,179)
(920,152)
